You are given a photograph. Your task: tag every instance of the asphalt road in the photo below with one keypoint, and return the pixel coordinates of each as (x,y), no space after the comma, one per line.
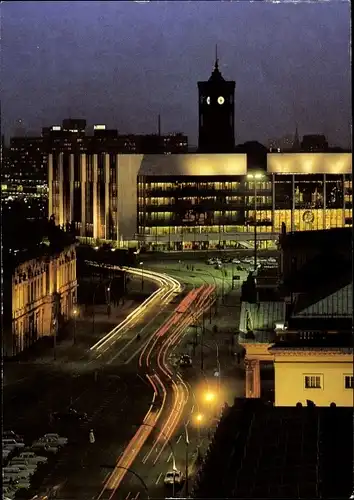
(111,393)
(111,387)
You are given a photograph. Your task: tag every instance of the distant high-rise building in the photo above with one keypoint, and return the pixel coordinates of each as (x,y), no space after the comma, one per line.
(314,143)
(216,114)
(28,167)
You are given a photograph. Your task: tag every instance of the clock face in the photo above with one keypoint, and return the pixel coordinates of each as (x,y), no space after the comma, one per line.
(308,217)
(221,100)
(208,100)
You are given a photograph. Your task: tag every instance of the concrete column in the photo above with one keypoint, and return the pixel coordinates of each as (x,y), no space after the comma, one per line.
(256,379)
(50,185)
(249,378)
(273,202)
(83,194)
(72,186)
(324,201)
(343,220)
(293,206)
(253,378)
(95,197)
(106,195)
(116,203)
(61,189)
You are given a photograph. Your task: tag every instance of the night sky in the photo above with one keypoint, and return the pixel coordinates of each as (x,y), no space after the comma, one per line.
(122,63)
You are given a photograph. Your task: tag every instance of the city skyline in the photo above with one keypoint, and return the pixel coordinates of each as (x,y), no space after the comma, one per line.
(293,52)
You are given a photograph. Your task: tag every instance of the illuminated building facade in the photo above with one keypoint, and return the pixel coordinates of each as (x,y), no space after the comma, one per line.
(26,172)
(323,375)
(199,200)
(30,294)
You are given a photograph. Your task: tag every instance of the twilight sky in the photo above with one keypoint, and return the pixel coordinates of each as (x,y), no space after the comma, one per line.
(122,63)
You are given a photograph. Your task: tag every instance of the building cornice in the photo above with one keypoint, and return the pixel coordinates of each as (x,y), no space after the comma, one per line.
(313,351)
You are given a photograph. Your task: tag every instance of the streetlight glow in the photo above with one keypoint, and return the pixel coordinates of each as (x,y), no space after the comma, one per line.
(75,312)
(209,396)
(199,417)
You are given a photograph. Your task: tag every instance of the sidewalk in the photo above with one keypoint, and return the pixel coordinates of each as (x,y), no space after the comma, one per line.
(88,332)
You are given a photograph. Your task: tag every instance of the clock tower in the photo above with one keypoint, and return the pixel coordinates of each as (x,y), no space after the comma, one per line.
(216,114)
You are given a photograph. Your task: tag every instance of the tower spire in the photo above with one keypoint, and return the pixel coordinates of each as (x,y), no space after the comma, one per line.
(216,65)
(296,143)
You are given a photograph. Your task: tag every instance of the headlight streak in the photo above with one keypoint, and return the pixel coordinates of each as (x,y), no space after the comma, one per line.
(175,325)
(168,287)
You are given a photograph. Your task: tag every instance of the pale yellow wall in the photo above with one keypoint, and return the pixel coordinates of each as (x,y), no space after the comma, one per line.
(61,274)
(289,383)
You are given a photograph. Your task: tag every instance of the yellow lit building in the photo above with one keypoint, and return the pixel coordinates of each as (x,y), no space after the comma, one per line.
(29,314)
(200,201)
(323,375)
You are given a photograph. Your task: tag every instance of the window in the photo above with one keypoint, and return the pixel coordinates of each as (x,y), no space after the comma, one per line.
(348,381)
(313,381)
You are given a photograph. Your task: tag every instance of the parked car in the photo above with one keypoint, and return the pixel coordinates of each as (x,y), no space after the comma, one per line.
(236,261)
(31,457)
(19,461)
(16,484)
(51,437)
(12,442)
(24,466)
(16,472)
(6,454)
(44,446)
(173,477)
(185,360)
(12,435)
(8,493)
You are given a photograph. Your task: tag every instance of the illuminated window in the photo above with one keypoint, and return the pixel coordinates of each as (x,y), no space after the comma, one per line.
(348,381)
(313,381)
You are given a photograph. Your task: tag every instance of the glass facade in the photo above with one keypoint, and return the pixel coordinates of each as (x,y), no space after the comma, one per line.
(204,212)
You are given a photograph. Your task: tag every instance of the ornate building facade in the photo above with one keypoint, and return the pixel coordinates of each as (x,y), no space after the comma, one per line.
(35,284)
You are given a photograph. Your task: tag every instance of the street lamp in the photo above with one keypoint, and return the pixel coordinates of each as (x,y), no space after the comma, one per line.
(209,397)
(109,299)
(142,275)
(255,176)
(75,313)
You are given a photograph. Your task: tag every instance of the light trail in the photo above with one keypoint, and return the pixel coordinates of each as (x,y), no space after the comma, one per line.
(190,308)
(167,288)
(181,390)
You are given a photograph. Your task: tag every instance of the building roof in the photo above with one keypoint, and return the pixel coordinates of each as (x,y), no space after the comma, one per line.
(191,164)
(325,239)
(309,163)
(337,304)
(262,316)
(319,277)
(260,451)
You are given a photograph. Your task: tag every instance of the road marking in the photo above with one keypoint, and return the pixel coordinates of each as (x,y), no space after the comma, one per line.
(169,457)
(137,495)
(126,498)
(106,477)
(179,439)
(158,479)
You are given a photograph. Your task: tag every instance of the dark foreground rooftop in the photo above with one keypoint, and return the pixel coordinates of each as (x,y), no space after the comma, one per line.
(261,451)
